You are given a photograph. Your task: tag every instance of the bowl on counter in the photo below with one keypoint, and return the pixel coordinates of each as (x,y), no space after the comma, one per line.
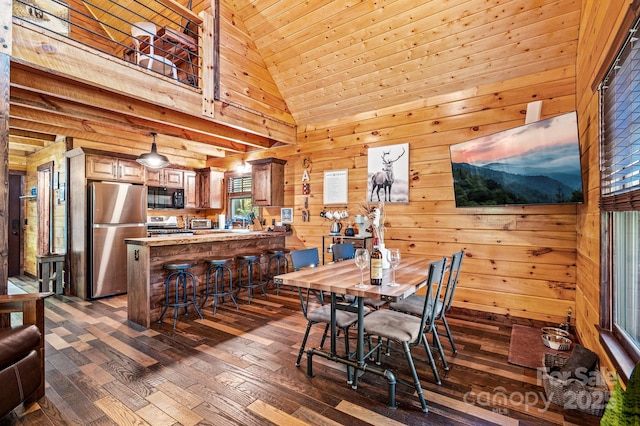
(558,343)
(555,331)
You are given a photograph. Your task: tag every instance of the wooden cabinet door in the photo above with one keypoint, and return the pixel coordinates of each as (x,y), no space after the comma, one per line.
(173,178)
(190,190)
(99,167)
(261,184)
(130,171)
(154,177)
(211,189)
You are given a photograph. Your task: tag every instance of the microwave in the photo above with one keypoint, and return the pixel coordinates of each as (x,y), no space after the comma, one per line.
(200,223)
(165,198)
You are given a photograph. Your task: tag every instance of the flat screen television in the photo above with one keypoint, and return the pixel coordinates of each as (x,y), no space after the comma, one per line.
(538,163)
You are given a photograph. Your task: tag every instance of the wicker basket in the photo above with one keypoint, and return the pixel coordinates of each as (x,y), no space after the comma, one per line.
(572,393)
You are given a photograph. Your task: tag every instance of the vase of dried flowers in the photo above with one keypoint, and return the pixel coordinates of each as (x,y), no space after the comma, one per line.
(375,214)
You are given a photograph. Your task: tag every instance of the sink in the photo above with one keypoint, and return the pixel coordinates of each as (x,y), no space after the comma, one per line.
(239,230)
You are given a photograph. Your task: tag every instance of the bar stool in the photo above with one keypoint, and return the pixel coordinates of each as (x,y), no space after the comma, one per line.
(277,259)
(219,267)
(180,273)
(249,261)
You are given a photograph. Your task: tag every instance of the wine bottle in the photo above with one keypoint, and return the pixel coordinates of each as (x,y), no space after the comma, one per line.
(375,267)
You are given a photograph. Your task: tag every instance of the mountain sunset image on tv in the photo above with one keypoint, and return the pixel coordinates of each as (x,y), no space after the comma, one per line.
(538,163)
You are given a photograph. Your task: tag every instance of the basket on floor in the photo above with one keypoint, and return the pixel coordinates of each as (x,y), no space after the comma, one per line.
(590,398)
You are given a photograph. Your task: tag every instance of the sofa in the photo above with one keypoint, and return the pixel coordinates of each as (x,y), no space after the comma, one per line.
(21,350)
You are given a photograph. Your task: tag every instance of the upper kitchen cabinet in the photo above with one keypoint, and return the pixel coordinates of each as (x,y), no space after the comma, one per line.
(169,178)
(211,188)
(190,190)
(267,182)
(114,169)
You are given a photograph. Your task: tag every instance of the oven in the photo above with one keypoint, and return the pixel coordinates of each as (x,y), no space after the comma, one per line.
(162,226)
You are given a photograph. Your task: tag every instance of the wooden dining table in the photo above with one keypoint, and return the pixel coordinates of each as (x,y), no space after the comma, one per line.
(341,278)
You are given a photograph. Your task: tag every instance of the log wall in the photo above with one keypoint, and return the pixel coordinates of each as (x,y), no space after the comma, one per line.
(521,261)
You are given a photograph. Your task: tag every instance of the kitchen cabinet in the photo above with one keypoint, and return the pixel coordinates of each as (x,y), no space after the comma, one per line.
(211,188)
(169,178)
(190,190)
(114,169)
(267,182)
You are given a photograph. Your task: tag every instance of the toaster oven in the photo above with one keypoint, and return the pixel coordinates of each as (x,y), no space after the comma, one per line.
(200,223)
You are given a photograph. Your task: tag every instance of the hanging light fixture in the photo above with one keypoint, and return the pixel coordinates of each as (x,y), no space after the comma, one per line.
(153,159)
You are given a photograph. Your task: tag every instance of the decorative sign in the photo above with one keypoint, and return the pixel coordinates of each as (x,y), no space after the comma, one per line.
(49,14)
(336,186)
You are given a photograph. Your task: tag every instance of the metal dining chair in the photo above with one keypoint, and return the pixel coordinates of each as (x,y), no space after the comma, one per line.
(313,306)
(346,251)
(409,330)
(413,304)
(144,35)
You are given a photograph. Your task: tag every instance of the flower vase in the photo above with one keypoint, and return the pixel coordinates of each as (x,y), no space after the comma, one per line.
(385,256)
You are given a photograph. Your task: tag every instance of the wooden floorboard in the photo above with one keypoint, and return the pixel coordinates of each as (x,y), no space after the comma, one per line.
(239,368)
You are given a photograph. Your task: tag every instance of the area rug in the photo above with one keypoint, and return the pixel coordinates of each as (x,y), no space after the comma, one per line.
(526,348)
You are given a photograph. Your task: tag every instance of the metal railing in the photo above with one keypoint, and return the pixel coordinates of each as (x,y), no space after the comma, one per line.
(106,26)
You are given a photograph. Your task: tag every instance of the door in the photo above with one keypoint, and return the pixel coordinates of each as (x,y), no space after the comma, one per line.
(15,226)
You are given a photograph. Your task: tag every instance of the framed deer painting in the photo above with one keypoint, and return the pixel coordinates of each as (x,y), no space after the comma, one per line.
(388,174)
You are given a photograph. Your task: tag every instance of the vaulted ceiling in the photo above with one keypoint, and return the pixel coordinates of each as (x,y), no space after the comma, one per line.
(331,59)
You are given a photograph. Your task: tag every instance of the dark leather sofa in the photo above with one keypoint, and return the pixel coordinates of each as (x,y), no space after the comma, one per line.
(21,350)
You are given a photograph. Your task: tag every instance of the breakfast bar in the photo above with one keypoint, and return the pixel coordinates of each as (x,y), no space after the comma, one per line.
(145,257)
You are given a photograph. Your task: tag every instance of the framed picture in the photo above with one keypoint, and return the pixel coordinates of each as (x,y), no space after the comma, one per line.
(48,14)
(336,186)
(286,215)
(388,174)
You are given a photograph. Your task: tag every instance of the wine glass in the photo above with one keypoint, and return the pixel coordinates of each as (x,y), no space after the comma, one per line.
(394,259)
(362,260)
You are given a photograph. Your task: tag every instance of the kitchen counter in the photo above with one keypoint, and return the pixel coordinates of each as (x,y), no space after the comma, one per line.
(145,257)
(202,236)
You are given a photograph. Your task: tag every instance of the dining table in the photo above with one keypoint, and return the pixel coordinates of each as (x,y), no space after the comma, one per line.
(342,278)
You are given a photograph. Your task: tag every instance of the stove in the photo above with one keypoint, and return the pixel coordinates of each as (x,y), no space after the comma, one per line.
(165,225)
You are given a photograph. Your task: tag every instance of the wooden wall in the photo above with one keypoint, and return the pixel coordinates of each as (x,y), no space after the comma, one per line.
(520,260)
(52,153)
(599,24)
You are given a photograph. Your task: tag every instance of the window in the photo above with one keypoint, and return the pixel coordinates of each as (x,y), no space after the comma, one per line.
(620,201)
(239,205)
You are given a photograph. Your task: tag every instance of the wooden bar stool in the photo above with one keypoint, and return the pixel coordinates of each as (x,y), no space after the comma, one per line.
(219,267)
(180,273)
(250,262)
(278,260)
(51,273)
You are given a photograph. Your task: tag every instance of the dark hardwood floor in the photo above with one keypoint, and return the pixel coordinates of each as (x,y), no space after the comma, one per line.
(239,368)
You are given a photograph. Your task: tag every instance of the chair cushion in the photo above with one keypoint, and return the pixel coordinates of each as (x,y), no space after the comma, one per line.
(19,381)
(414,304)
(343,318)
(17,342)
(393,325)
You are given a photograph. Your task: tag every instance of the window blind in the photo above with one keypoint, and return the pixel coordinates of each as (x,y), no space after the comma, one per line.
(620,159)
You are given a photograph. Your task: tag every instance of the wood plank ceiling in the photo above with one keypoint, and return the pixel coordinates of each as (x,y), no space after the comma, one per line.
(348,58)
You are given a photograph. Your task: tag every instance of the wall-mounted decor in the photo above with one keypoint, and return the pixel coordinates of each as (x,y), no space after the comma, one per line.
(388,174)
(48,14)
(336,186)
(538,163)
(286,215)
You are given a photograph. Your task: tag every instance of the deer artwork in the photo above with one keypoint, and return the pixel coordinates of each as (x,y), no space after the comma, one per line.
(384,178)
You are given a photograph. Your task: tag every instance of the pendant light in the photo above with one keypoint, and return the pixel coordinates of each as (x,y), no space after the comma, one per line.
(153,159)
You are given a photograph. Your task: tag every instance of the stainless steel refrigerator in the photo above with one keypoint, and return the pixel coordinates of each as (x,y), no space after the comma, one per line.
(117,211)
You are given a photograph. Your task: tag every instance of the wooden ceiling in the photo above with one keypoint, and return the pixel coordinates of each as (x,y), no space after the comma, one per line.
(332,59)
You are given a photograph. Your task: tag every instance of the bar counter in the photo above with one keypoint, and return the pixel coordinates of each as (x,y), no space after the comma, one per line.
(145,257)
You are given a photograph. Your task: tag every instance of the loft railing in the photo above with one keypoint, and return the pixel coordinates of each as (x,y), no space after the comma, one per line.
(106,25)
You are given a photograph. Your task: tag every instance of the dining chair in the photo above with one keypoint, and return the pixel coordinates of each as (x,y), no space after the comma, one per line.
(313,306)
(409,330)
(144,34)
(413,304)
(346,251)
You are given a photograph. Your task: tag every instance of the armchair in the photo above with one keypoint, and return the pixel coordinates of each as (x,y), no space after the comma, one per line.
(21,350)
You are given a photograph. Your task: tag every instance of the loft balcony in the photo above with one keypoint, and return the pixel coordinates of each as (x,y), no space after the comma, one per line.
(57,46)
